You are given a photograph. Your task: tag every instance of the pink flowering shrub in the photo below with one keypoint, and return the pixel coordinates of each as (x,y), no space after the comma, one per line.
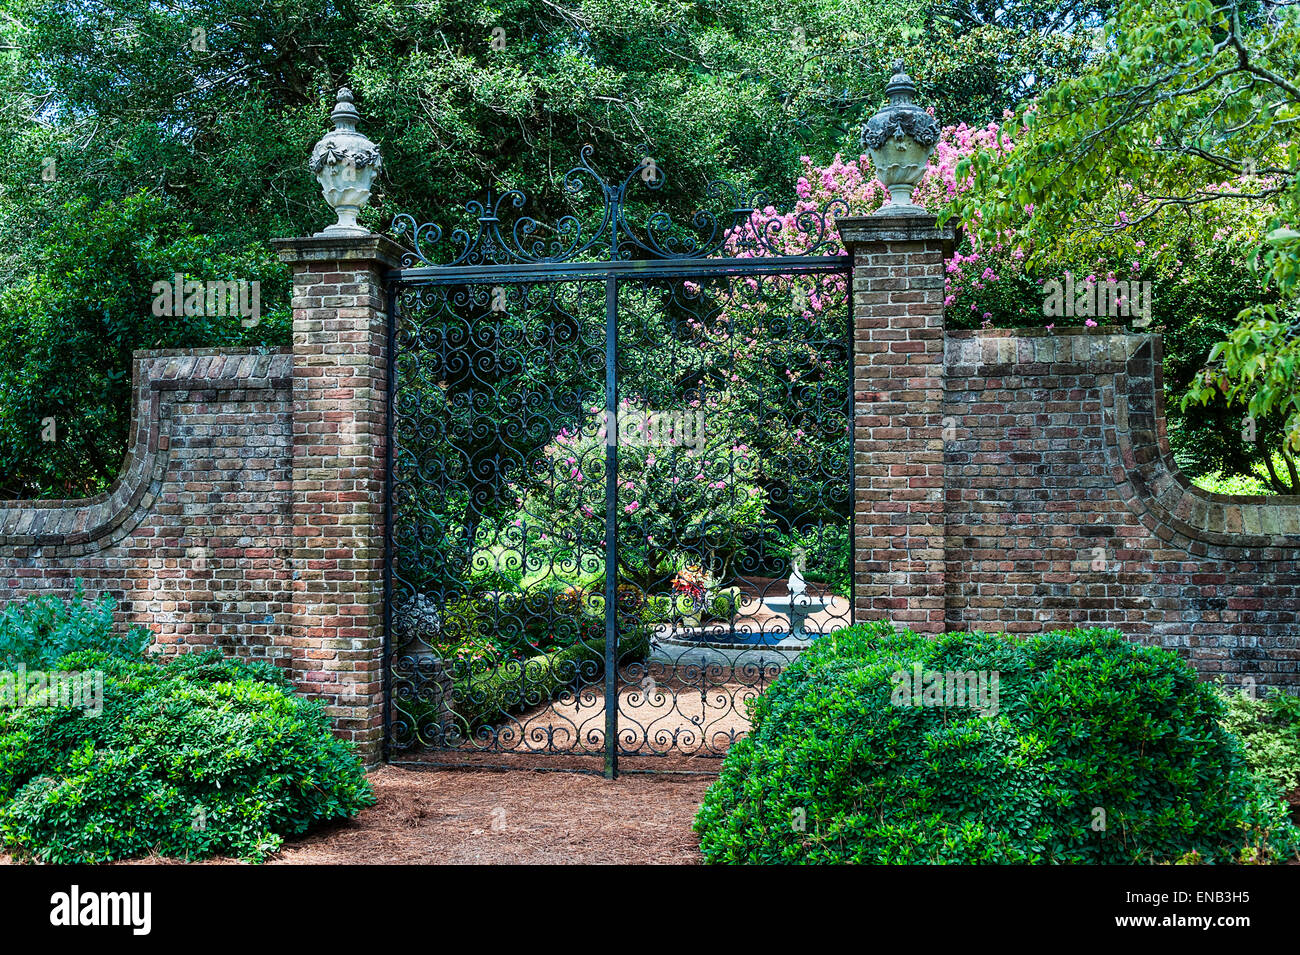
(989,285)
(670,497)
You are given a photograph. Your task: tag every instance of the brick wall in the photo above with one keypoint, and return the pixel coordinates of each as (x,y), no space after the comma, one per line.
(250,510)
(898,422)
(1064,507)
(340,393)
(194,538)
(1021,481)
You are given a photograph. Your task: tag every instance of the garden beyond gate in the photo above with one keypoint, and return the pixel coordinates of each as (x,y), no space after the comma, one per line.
(619,480)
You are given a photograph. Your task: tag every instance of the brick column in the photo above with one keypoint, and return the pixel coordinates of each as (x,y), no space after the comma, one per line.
(898,391)
(340,366)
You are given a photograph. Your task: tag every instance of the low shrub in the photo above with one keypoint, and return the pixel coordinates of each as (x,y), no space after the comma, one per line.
(464,632)
(658,608)
(666,608)
(37,631)
(1095,750)
(486,697)
(191,757)
(517,685)
(1269,730)
(723,605)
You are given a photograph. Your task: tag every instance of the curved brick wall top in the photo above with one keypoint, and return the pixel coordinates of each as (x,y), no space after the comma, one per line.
(1159,489)
(1064,507)
(83,526)
(1149,480)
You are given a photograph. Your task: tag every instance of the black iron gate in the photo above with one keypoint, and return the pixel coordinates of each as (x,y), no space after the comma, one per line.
(620,476)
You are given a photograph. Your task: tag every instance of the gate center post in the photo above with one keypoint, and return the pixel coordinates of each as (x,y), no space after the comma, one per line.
(611,527)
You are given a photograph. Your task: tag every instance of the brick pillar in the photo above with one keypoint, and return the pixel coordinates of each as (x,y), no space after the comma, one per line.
(340,367)
(898,391)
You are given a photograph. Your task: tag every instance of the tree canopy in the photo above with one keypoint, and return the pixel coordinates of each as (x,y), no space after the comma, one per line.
(1184,121)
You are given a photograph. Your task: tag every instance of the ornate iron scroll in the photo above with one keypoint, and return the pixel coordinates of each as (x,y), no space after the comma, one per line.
(620,504)
(728,224)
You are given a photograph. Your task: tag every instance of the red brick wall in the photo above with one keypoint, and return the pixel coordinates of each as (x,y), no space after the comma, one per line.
(1064,508)
(898,423)
(1021,481)
(340,389)
(194,539)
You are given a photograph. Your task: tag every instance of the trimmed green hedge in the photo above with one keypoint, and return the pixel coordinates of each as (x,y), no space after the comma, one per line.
(1100,751)
(197,756)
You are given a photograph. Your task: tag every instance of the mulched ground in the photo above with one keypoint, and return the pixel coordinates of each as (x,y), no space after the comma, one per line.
(452,816)
(483,817)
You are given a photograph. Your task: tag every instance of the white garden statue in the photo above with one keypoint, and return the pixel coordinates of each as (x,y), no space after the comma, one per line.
(796,582)
(800,602)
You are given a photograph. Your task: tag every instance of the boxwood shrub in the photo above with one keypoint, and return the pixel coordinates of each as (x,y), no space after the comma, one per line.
(37,631)
(1269,729)
(1100,751)
(196,756)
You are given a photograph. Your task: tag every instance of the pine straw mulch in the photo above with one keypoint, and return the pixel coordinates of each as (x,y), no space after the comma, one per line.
(485,817)
(482,817)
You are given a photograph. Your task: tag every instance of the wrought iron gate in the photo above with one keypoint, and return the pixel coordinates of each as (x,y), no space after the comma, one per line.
(620,482)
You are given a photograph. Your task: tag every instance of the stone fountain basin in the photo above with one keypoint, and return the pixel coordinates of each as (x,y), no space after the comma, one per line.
(804,602)
(695,647)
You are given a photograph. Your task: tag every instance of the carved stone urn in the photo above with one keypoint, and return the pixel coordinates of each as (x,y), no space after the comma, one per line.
(345,164)
(900,137)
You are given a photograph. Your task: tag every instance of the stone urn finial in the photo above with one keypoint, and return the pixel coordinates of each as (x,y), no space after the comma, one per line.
(345,163)
(901,137)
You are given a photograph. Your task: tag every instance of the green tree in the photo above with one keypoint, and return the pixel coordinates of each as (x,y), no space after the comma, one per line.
(68,328)
(1186,115)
